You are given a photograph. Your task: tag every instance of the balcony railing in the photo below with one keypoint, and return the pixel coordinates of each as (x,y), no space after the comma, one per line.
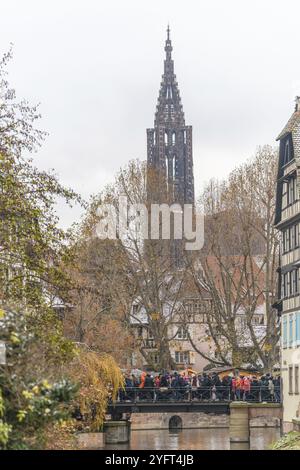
(257,394)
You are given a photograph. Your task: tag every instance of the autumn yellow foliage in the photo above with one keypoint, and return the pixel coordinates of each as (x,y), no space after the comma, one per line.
(100,378)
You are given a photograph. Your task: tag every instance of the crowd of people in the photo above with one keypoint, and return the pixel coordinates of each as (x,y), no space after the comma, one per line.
(205,387)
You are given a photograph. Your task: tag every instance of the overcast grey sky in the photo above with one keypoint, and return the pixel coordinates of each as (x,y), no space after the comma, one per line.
(95,66)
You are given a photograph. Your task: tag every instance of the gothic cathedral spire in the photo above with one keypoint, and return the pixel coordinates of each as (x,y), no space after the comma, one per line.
(169,143)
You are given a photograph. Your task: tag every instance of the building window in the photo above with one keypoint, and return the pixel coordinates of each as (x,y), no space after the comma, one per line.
(286,241)
(257,320)
(201,309)
(284,331)
(294,234)
(182,332)
(294,282)
(286,284)
(284,195)
(182,357)
(291,324)
(290,283)
(297,379)
(140,331)
(287,152)
(189,308)
(290,379)
(135,309)
(290,238)
(149,341)
(166,138)
(291,191)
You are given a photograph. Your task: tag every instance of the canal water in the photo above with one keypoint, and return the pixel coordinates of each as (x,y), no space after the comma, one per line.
(196,439)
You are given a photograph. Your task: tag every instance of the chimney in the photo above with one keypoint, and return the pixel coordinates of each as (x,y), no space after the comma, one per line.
(297,100)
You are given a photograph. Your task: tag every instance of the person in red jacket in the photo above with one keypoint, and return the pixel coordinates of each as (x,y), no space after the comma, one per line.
(157,381)
(236,385)
(143,377)
(246,388)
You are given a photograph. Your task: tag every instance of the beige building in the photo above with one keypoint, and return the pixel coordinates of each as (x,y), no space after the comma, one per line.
(288,222)
(181,337)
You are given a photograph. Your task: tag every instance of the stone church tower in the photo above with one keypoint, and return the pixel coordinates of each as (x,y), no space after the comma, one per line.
(169,143)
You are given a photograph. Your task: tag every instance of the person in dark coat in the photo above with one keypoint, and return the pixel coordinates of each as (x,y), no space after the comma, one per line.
(205,386)
(264,387)
(216,384)
(175,386)
(277,383)
(149,387)
(255,390)
(226,387)
(164,381)
(128,388)
(164,392)
(183,387)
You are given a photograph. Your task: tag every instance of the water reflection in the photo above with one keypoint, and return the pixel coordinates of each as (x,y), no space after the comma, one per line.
(195,439)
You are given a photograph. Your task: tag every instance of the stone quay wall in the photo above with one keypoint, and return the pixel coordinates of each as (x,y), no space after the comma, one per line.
(189,420)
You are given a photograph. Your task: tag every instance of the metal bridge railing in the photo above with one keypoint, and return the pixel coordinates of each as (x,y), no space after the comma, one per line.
(256,394)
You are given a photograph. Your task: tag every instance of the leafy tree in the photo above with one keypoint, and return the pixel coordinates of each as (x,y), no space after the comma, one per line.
(17,118)
(33,389)
(31,244)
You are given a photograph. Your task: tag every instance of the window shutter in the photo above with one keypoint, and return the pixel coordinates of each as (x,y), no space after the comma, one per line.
(284,332)
(297,329)
(291,336)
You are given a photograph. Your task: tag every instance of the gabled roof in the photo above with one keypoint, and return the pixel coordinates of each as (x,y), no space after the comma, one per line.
(293,127)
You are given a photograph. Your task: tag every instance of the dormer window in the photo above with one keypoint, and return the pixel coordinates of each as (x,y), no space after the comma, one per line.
(287,152)
(135,309)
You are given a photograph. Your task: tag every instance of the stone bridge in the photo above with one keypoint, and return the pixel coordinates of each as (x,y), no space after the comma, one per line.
(240,417)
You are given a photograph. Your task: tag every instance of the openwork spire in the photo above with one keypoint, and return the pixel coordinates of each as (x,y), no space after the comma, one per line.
(168,46)
(169,142)
(169,108)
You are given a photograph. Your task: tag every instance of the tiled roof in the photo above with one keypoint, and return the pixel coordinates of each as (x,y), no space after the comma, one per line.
(293,122)
(293,127)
